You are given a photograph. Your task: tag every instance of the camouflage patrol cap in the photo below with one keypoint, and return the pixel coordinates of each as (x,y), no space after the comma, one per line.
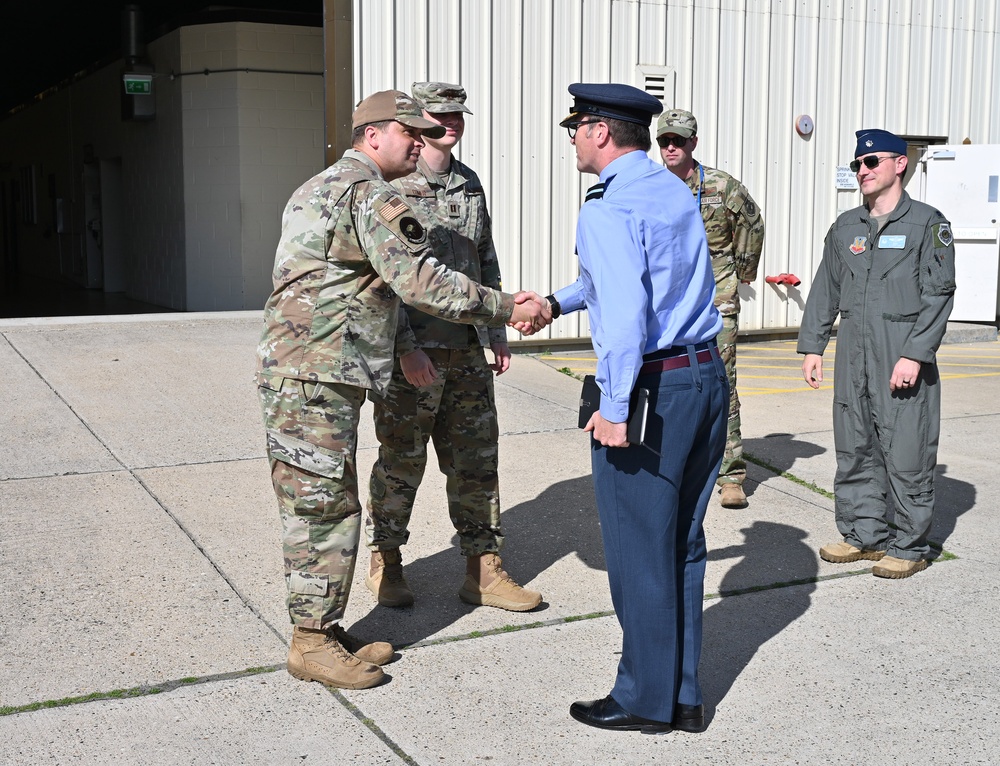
(394,105)
(677,121)
(440,97)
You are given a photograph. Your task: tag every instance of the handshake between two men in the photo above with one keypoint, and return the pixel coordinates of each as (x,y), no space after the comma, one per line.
(531,313)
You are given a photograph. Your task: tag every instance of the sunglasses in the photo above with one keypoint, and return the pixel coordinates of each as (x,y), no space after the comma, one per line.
(575,126)
(871,162)
(679,141)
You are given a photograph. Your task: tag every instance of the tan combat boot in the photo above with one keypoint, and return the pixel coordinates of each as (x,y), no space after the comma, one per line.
(486,584)
(385,578)
(896,569)
(316,655)
(376,652)
(844,553)
(732,496)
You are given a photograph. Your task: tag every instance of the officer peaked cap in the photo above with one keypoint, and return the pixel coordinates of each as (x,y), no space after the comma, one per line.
(614,101)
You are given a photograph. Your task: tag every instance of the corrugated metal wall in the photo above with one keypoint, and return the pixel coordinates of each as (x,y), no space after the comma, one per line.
(746,68)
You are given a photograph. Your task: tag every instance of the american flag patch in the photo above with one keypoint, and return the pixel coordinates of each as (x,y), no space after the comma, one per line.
(392,209)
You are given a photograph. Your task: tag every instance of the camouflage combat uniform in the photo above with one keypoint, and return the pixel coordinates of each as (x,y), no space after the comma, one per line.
(458,408)
(735,230)
(350,248)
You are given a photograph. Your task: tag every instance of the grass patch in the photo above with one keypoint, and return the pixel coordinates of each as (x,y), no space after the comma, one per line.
(114,694)
(591,616)
(135,691)
(789,476)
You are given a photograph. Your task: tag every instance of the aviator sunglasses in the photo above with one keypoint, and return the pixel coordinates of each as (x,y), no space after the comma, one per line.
(871,162)
(679,141)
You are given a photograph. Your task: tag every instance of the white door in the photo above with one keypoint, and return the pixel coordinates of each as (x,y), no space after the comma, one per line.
(963,182)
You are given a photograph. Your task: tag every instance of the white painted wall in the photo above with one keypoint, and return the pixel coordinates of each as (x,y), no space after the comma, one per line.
(746,68)
(250,139)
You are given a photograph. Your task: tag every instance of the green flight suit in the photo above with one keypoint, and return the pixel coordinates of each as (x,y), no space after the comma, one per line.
(893,289)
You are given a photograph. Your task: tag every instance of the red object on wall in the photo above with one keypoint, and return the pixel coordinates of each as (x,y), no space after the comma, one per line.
(784,279)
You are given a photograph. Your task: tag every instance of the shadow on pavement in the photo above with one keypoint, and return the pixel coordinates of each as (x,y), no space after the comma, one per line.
(735,628)
(952,498)
(779,451)
(562,520)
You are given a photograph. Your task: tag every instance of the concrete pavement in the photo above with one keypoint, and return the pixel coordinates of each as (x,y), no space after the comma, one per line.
(142,597)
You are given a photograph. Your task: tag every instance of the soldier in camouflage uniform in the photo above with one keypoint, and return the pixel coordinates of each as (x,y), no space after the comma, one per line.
(442,385)
(350,248)
(735,232)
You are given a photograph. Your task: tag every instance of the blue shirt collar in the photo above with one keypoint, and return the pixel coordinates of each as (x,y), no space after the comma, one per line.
(628,165)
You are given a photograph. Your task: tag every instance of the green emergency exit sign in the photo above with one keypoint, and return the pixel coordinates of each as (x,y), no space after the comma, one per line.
(138,84)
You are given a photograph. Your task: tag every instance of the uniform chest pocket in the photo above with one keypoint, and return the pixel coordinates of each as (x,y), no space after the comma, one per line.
(900,282)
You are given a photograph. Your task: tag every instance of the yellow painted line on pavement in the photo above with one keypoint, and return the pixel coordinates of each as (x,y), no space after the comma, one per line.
(967,356)
(740,367)
(797,390)
(962,375)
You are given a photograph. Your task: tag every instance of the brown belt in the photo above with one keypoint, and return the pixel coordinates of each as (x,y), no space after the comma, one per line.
(674,362)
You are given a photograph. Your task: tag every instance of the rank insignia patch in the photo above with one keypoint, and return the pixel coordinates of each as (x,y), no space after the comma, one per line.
(412,230)
(942,233)
(859,245)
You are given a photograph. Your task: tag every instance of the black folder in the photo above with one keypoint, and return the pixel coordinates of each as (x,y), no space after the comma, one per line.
(638,411)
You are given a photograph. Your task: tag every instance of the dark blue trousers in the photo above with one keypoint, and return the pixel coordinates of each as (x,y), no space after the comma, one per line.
(651,510)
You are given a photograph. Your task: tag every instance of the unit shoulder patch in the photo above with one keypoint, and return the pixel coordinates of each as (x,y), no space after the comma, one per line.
(412,229)
(942,235)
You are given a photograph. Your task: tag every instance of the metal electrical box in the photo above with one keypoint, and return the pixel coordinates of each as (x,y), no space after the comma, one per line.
(963,182)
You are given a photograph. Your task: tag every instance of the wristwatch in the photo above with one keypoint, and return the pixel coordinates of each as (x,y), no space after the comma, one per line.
(554,305)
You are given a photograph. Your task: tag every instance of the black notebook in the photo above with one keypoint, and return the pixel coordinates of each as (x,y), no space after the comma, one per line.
(638,411)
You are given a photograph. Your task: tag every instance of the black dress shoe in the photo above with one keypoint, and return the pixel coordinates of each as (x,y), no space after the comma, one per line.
(608,714)
(689,718)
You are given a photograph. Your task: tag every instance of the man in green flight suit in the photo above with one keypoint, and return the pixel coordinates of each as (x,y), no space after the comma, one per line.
(888,270)
(735,230)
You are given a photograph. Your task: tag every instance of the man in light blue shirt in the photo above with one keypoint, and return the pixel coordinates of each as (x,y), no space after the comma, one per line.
(646,279)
